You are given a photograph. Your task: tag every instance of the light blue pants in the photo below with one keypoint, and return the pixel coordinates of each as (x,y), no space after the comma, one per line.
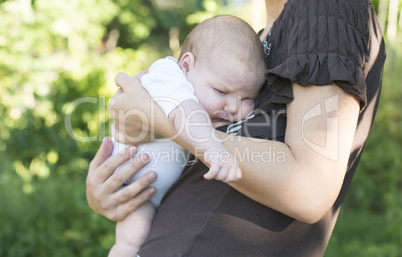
(167,159)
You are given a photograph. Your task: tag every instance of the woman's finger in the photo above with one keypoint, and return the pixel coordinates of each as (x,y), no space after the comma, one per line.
(139,75)
(136,189)
(125,81)
(107,168)
(102,154)
(127,171)
(128,207)
(117,135)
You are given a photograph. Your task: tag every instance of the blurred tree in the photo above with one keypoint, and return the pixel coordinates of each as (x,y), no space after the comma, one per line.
(53,53)
(57,64)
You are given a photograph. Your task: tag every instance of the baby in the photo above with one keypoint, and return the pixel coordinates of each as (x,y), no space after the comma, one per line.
(218,76)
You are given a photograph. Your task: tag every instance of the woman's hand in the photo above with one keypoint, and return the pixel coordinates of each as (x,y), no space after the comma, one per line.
(135,113)
(103,194)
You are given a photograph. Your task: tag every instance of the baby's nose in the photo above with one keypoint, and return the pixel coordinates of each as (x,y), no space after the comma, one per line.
(232,105)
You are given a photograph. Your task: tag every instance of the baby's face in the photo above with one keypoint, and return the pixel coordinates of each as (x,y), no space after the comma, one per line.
(226,89)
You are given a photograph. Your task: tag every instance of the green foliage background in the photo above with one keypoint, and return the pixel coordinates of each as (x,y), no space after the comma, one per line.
(55,53)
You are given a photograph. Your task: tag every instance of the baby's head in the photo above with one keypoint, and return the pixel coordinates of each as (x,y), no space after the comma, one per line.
(224,59)
(223,35)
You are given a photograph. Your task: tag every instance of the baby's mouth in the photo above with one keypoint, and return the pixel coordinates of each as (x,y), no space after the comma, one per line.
(217,122)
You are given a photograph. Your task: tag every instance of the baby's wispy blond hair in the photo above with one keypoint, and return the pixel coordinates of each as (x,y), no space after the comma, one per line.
(223,35)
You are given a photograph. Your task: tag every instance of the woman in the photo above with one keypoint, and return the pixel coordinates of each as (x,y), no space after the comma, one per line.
(325,61)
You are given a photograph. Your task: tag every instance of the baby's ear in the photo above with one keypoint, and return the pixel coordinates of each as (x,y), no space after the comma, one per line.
(187,62)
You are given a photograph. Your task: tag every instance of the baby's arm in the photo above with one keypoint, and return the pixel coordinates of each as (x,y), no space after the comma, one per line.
(194,127)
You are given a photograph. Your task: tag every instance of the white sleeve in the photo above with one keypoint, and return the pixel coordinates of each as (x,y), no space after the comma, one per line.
(167,84)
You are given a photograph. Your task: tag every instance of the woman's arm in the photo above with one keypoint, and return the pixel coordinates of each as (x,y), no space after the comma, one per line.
(320,128)
(305,178)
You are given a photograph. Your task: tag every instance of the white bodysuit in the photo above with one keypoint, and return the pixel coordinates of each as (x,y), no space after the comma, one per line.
(168,86)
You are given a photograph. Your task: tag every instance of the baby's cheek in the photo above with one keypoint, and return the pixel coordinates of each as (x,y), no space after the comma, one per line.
(211,111)
(246,109)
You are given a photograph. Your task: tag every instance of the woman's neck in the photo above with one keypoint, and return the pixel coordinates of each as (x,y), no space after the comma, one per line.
(273,8)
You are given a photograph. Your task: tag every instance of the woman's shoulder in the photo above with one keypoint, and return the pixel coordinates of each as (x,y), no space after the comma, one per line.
(320,42)
(324,12)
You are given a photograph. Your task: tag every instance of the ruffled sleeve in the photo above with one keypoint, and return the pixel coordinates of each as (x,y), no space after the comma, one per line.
(319,42)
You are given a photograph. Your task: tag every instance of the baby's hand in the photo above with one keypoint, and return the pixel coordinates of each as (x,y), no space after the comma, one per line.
(223,165)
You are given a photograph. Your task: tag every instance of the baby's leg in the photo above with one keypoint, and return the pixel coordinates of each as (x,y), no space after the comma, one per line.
(132,231)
